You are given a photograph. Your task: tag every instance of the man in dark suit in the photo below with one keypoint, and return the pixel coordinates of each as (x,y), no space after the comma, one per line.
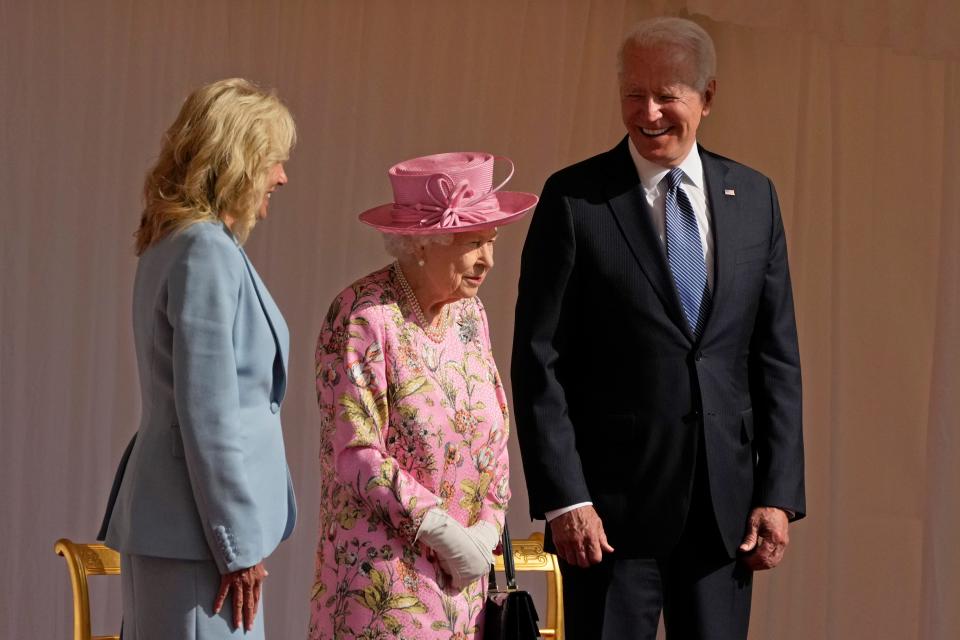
(656,373)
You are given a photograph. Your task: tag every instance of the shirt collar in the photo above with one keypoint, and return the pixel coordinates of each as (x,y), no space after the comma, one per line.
(651,174)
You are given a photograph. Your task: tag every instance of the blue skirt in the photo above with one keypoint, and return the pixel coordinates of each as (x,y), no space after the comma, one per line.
(165,598)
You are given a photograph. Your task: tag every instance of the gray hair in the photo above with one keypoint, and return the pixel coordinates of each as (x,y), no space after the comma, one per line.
(401,245)
(676,32)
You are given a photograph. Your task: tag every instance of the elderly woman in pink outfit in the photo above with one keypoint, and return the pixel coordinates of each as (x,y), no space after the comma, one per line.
(414,418)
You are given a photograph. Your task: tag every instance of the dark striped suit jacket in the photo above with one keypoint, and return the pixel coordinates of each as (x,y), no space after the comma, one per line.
(613,395)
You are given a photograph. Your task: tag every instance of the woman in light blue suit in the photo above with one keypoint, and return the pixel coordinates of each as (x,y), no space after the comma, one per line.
(205,494)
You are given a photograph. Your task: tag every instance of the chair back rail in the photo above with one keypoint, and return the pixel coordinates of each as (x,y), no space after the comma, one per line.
(528,555)
(84,560)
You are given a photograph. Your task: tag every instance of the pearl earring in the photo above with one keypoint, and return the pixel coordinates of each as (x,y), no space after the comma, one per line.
(420,262)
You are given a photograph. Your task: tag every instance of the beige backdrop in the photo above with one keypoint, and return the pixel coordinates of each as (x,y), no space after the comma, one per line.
(850,106)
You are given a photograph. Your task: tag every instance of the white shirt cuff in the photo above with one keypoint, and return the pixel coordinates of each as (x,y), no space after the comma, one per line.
(550,515)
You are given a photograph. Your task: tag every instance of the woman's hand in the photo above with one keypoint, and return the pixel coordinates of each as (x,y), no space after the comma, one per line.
(246,585)
(465,554)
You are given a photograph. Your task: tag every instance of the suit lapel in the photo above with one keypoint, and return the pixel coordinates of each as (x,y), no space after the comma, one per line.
(629,207)
(277,325)
(724,208)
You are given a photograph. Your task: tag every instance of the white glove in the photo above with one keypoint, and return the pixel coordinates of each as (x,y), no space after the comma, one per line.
(465,553)
(486,535)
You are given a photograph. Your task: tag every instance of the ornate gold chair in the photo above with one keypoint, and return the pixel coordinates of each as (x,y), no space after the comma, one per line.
(84,560)
(528,555)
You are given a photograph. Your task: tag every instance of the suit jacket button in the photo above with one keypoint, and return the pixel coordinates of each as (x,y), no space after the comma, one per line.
(274,407)
(699,356)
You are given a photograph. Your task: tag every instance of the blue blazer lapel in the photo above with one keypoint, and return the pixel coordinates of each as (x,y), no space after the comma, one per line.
(724,209)
(277,324)
(629,207)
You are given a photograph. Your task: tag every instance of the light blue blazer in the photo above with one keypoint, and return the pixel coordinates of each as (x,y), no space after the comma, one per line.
(207,476)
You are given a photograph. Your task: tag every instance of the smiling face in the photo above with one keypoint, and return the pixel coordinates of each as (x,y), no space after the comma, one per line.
(456,270)
(659,105)
(276,179)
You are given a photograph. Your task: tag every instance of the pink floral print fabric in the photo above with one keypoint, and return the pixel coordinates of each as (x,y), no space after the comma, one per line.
(407,423)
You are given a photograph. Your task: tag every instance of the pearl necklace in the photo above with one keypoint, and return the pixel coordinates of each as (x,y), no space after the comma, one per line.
(438,332)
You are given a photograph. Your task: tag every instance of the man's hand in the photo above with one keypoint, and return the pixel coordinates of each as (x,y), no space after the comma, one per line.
(766,538)
(246,585)
(579,537)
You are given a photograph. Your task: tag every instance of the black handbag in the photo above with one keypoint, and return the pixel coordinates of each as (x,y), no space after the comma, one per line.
(509,613)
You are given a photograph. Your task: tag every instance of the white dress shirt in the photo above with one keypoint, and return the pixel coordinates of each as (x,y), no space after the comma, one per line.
(653,179)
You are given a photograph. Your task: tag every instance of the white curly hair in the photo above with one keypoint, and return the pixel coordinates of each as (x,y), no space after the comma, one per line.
(401,245)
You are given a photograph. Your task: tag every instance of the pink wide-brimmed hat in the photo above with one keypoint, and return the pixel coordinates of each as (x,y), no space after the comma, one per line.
(448,193)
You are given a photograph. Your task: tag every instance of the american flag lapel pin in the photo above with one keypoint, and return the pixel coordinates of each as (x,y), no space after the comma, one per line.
(729,192)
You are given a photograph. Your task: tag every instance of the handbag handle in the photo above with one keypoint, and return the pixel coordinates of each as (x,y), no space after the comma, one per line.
(508,566)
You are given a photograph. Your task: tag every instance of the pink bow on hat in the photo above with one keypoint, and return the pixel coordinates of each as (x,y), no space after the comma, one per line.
(447,192)
(447,207)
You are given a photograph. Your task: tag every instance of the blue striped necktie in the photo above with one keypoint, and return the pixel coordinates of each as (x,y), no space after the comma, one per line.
(685,253)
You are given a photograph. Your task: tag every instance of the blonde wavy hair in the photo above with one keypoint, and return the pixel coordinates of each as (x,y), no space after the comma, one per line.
(215,160)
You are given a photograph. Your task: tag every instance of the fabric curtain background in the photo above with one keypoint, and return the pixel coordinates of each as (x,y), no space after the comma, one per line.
(851,108)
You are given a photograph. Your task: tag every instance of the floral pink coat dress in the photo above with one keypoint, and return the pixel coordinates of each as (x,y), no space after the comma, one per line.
(408,422)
